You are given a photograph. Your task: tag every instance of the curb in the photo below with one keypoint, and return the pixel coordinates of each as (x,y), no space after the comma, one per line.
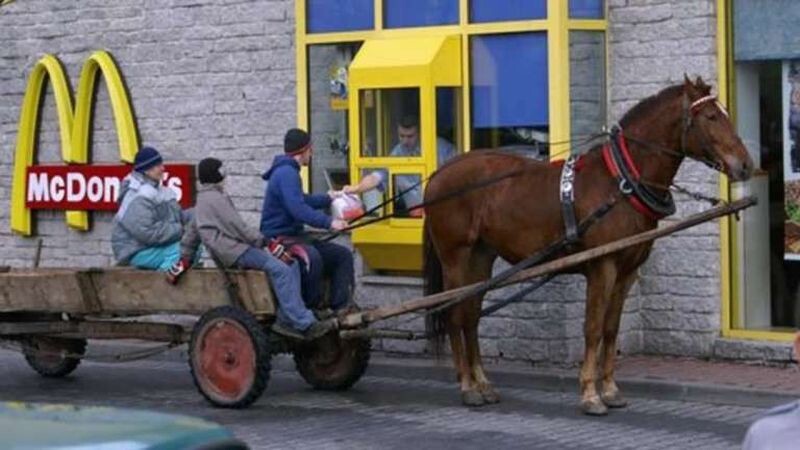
(511,375)
(548,380)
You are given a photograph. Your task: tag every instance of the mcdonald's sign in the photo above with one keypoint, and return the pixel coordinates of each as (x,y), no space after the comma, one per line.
(77,187)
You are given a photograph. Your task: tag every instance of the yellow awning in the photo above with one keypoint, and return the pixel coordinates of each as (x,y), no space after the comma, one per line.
(407,62)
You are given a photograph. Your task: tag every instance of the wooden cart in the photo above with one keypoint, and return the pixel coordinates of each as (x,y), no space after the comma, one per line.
(52,312)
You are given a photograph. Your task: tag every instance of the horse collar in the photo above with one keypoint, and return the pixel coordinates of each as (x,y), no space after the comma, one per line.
(620,165)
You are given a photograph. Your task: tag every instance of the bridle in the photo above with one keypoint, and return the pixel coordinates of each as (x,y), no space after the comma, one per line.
(690,110)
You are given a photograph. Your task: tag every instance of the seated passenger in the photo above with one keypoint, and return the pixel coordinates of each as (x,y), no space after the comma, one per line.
(225,235)
(147,228)
(286,209)
(408,134)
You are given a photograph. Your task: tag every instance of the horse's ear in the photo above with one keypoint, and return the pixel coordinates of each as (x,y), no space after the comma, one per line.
(702,86)
(688,86)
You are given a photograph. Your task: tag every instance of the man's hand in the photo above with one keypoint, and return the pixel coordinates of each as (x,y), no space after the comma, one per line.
(338,225)
(350,189)
(335,194)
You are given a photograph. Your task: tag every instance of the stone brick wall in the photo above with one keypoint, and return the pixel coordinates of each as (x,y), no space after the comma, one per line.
(217,77)
(652,44)
(206,78)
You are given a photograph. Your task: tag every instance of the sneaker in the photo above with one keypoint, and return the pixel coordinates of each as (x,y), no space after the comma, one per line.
(323,314)
(287,331)
(321,328)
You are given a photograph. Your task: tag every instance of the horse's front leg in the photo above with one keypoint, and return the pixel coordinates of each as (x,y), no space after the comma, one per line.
(482,382)
(600,281)
(610,393)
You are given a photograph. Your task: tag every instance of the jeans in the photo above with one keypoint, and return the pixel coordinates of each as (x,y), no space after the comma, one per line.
(157,258)
(335,262)
(285,282)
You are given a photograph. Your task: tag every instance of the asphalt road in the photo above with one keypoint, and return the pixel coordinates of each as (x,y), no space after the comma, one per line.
(388,412)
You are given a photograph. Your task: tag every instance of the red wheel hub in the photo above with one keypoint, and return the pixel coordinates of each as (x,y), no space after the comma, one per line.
(226,359)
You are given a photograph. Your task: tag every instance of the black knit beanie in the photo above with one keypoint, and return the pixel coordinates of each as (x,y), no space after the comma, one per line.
(208,171)
(296,141)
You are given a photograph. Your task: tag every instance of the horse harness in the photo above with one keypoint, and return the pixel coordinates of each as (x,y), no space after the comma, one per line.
(622,168)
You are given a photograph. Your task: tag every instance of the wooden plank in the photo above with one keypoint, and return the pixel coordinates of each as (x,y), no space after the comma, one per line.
(41,291)
(357,319)
(126,291)
(146,292)
(148,331)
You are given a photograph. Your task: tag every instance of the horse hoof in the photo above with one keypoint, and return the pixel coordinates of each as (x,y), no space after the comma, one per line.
(490,396)
(594,407)
(472,398)
(615,400)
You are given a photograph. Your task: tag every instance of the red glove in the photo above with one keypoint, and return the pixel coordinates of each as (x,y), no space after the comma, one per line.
(179,268)
(279,251)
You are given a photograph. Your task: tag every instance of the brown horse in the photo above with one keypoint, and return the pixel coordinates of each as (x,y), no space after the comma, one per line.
(520,215)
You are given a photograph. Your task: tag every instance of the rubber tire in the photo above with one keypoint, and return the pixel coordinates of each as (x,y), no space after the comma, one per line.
(64,366)
(258,338)
(349,365)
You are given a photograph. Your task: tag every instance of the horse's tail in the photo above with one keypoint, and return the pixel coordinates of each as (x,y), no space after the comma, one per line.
(433,284)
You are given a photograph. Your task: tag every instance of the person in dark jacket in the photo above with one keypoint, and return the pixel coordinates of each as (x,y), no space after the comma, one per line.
(287,209)
(233,243)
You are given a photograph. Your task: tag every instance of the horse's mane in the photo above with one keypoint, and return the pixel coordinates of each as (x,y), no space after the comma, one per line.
(650,103)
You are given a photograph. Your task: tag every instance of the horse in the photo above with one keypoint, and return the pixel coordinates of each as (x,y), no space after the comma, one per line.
(522,214)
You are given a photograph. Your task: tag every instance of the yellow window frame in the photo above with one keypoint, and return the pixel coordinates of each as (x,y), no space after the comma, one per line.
(730,290)
(557,25)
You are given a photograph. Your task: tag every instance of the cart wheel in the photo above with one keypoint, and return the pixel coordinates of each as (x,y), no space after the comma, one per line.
(331,363)
(229,357)
(48,355)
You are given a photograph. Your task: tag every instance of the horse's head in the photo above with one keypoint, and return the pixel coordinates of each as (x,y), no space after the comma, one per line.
(708,134)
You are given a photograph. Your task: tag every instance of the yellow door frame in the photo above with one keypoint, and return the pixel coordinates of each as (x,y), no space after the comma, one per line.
(729,253)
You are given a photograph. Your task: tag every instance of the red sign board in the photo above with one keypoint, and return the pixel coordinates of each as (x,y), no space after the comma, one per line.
(95,187)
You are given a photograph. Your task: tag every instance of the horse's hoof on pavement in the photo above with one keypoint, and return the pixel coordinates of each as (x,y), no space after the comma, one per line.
(594,407)
(615,400)
(490,396)
(472,398)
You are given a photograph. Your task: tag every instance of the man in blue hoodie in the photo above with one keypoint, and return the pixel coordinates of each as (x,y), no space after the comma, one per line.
(286,209)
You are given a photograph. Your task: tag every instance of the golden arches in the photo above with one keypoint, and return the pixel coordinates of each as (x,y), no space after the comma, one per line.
(73,126)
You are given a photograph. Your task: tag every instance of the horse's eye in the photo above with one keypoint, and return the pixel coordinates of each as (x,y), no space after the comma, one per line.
(711,116)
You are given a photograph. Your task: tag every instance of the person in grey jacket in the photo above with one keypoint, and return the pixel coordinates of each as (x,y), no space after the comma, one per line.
(219,227)
(147,228)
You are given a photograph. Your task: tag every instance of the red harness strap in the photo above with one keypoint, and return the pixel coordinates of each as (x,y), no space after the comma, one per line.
(611,165)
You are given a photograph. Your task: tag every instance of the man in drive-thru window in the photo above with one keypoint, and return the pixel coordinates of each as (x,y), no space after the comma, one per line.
(287,209)
(233,243)
(147,228)
(408,146)
(779,428)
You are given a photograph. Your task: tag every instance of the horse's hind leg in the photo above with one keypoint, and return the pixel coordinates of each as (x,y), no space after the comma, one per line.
(610,393)
(600,282)
(455,271)
(481,269)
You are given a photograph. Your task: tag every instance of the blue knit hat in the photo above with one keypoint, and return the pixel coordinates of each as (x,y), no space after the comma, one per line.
(147,158)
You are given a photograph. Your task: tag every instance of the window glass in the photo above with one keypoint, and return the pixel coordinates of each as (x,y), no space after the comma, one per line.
(767,99)
(326,16)
(586,9)
(503,10)
(377,196)
(390,122)
(448,124)
(419,13)
(510,92)
(587,87)
(409,189)
(328,118)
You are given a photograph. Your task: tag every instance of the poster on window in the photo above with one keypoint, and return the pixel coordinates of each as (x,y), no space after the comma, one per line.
(791,158)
